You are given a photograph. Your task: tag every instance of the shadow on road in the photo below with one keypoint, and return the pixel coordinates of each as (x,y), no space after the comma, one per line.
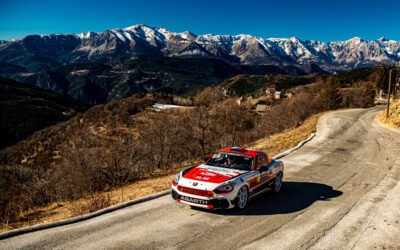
(293,197)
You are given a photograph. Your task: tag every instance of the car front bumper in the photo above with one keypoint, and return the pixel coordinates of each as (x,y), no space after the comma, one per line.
(215,202)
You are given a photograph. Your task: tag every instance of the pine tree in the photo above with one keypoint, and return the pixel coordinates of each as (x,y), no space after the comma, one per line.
(331,94)
(383,78)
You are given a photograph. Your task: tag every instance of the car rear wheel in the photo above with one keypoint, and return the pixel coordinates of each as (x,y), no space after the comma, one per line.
(242,198)
(277,183)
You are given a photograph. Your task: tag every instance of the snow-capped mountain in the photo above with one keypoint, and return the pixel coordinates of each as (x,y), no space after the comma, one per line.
(40,51)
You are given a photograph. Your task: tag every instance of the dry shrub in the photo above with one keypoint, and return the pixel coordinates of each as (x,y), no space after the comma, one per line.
(290,113)
(23,189)
(394,114)
(314,99)
(360,95)
(92,163)
(208,97)
(182,101)
(363,95)
(328,97)
(96,202)
(174,136)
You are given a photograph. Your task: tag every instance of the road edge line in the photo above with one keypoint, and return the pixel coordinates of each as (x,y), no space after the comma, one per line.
(80,218)
(289,151)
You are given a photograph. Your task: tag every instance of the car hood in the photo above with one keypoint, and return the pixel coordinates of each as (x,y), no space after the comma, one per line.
(211,174)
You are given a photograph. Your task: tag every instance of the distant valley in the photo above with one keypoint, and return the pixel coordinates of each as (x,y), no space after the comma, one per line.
(95,83)
(25,109)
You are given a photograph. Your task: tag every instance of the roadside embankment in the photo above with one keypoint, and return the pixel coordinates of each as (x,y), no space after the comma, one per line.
(394,115)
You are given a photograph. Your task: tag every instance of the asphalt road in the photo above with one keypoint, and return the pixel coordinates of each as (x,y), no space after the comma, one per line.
(341,191)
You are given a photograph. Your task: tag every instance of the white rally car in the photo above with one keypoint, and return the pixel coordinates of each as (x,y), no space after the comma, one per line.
(228,179)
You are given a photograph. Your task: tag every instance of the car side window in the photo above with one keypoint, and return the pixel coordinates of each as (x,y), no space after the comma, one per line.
(261,161)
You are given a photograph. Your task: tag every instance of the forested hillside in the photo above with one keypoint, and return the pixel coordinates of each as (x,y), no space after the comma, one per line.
(25,109)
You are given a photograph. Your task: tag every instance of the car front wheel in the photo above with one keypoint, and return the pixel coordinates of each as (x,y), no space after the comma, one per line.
(242,198)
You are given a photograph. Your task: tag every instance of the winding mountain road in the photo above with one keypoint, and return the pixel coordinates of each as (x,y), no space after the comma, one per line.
(341,191)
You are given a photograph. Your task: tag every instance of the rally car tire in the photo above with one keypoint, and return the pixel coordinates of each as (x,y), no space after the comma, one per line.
(242,198)
(277,185)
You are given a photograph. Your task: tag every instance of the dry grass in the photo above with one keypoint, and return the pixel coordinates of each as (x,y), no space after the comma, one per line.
(153,183)
(156,182)
(288,139)
(394,115)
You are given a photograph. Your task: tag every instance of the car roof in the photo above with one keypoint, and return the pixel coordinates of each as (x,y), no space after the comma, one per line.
(244,151)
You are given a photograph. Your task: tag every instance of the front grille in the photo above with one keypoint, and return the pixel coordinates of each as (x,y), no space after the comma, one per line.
(194,191)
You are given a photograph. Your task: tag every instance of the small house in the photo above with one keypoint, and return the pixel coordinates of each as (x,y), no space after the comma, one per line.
(277,95)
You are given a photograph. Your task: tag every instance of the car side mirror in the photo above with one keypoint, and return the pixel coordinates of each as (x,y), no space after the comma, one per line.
(206,159)
(263,169)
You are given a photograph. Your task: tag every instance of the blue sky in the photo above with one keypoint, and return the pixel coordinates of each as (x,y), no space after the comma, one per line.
(306,19)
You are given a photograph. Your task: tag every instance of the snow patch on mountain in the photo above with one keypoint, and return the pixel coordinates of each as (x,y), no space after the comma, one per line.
(246,49)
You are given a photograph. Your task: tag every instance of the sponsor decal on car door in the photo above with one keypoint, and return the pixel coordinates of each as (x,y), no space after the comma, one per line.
(263,172)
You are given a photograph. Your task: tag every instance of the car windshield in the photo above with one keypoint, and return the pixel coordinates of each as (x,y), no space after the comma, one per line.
(231,160)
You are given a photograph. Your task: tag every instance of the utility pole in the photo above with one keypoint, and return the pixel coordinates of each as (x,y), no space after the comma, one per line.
(388,95)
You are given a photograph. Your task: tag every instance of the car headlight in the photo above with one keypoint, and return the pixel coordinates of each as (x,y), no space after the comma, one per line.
(227,188)
(176,178)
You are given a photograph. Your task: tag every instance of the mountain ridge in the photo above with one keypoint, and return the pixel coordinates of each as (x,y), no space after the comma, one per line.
(36,52)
